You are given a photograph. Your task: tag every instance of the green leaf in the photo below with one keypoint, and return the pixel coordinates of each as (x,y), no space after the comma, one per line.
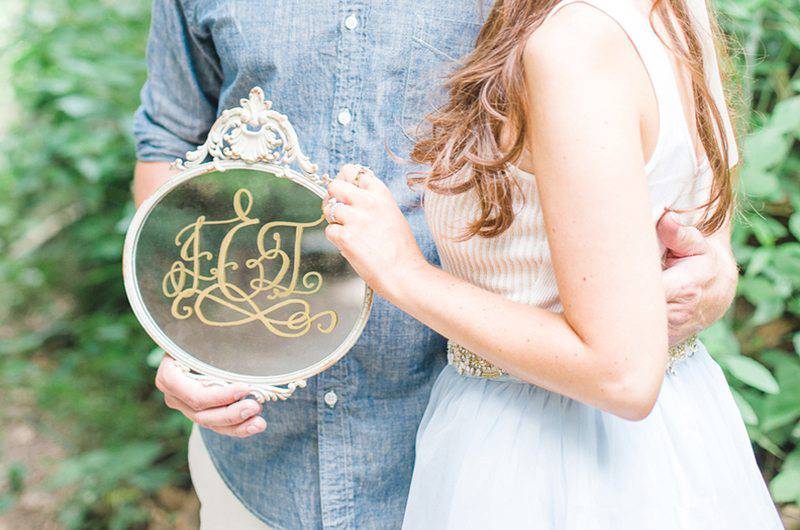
(758,183)
(779,411)
(748,414)
(758,289)
(794,306)
(786,115)
(750,372)
(763,441)
(720,340)
(767,311)
(783,409)
(76,106)
(765,149)
(759,261)
(794,225)
(787,262)
(763,231)
(785,487)
(154,357)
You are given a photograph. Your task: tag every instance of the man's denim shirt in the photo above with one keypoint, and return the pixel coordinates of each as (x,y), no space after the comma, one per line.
(355,78)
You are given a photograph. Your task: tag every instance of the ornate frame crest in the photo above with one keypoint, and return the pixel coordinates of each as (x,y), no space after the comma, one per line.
(252,136)
(252,133)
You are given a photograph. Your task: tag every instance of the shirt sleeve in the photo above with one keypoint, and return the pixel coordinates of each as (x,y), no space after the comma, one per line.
(179,99)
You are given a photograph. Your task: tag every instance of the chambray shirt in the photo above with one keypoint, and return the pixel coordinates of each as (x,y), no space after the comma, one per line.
(355,78)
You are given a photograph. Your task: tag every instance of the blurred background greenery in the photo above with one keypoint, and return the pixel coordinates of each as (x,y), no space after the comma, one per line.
(85,440)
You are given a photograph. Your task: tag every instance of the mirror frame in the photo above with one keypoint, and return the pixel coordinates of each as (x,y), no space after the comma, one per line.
(252,136)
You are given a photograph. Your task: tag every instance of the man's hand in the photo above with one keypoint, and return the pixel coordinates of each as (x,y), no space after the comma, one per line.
(700,276)
(216,407)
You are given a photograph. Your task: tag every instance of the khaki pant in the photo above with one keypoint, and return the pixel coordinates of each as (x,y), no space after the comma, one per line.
(219,508)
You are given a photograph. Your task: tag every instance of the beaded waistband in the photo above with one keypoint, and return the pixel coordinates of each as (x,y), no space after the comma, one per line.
(468,363)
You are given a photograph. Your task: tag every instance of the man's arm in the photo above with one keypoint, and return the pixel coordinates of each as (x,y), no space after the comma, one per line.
(700,276)
(147,178)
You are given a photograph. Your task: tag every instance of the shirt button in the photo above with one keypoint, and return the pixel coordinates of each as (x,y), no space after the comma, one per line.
(331,398)
(344,117)
(351,22)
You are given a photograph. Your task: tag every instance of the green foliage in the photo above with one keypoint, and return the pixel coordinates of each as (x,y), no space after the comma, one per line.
(118,478)
(16,484)
(70,337)
(65,178)
(758,343)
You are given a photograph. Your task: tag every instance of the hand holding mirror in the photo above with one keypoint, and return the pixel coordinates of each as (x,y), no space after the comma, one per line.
(227,266)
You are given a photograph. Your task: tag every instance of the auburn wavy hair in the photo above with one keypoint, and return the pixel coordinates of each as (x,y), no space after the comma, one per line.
(487,99)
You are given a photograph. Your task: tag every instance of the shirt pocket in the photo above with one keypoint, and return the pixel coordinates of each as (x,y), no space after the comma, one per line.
(437,46)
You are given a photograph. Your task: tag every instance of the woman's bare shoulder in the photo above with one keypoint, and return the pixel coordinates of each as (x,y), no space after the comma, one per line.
(579,37)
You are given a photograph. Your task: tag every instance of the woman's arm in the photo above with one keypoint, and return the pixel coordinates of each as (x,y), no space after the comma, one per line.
(587,89)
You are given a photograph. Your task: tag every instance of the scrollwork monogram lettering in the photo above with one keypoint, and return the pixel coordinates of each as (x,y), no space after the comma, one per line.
(199,279)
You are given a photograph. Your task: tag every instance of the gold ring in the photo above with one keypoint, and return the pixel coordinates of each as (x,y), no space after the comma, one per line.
(362,170)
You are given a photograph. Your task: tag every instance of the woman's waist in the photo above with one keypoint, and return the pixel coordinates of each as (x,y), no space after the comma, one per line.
(470,364)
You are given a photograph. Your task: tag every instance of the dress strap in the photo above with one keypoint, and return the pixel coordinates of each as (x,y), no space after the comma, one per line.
(657,62)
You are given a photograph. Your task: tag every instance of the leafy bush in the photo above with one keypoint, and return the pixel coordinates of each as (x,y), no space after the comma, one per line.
(758,343)
(69,336)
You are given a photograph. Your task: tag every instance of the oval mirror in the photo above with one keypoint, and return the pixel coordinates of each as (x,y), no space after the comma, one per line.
(228,268)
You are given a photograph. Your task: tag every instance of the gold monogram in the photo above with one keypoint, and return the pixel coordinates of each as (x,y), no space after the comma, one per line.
(191,288)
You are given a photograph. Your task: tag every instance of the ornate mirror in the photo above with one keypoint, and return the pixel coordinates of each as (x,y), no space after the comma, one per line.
(227,266)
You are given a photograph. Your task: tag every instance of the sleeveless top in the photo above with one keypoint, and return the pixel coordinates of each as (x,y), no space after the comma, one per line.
(516,264)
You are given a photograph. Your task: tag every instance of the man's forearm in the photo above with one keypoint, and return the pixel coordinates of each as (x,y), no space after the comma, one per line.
(148,177)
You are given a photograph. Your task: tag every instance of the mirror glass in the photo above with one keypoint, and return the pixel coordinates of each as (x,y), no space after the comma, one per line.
(234,268)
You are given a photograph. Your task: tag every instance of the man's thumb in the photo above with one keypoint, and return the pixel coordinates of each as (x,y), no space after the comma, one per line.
(682,241)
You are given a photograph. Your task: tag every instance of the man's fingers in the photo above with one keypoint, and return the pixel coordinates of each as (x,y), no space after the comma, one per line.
(172,380)
(243,430)
(685,279)
(668,229)
(217,408)
(680,240)
(229,416)
(239,419)
(180,406)
(675,284)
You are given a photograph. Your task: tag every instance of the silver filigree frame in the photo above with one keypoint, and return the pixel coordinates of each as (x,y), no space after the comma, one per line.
(256,137)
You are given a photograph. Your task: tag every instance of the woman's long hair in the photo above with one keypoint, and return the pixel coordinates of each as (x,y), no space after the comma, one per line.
(487,99)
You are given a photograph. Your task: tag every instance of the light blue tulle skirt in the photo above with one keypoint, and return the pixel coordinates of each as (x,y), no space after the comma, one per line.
(507,454)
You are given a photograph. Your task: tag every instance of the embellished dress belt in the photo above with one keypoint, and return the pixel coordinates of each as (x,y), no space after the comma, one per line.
(467,363)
